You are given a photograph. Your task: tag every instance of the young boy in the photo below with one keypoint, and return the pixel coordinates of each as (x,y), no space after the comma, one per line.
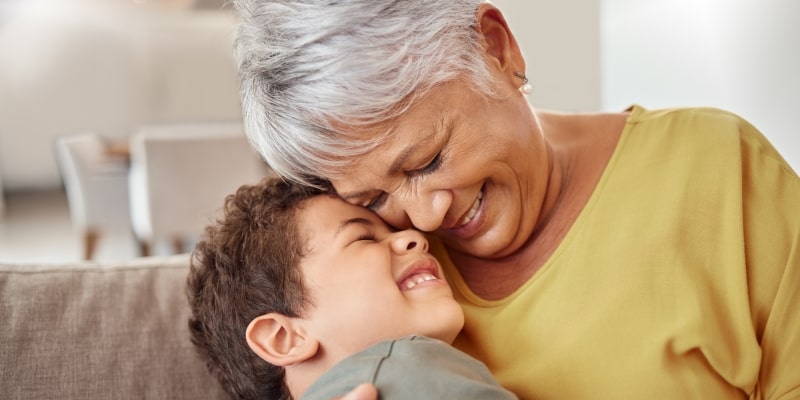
(296,293)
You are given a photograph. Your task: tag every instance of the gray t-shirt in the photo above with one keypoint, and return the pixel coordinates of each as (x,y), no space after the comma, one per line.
(414,367)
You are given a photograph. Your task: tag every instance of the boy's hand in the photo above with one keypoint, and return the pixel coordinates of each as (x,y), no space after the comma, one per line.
(364,391)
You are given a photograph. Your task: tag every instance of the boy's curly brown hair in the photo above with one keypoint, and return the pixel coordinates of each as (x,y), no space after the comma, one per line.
(246,265)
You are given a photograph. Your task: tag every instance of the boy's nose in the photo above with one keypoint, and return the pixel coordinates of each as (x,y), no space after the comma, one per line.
(408,240)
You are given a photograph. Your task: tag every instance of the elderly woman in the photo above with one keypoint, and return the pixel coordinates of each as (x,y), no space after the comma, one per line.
(641,254)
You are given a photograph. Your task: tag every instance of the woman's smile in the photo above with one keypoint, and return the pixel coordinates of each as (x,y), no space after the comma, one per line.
(472,211)
(472,221)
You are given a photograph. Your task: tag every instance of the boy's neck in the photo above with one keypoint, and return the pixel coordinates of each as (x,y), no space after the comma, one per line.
(299,377)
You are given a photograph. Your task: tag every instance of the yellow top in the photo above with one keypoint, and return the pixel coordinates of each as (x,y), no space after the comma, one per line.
(678,280)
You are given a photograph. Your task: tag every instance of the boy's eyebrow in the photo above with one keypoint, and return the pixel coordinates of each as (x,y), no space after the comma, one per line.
(350,221)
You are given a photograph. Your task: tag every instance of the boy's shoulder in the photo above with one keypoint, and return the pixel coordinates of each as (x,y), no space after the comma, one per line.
(409,368)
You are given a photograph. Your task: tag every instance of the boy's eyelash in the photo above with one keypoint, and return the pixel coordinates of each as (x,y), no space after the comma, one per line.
(366,236)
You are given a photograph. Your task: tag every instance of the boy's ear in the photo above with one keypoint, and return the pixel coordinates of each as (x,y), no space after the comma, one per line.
(279,340)
(501,47)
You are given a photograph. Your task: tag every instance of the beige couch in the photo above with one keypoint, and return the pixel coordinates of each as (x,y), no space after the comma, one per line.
(89,331)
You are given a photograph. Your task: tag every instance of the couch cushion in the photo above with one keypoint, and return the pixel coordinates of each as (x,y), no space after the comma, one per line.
(99,331)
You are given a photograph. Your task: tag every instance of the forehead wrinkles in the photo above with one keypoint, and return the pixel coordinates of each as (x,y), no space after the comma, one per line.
(370,163)
(388,140)
(368,172)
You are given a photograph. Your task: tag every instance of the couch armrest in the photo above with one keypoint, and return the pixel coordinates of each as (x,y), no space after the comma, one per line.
(99,331)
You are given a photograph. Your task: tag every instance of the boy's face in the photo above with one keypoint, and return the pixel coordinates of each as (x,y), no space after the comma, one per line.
(368,283)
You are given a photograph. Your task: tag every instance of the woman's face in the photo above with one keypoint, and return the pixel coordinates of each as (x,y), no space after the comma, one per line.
(469,169)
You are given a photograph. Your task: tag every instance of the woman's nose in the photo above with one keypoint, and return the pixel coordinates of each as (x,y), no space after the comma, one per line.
(409,240)
(426,210)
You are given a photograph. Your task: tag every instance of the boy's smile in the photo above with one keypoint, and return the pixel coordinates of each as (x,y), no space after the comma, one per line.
(419,273)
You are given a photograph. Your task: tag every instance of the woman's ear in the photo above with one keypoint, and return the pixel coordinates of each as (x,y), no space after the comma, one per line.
(279,340)
(501,47)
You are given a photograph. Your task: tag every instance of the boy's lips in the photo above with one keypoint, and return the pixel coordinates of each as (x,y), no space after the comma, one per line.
(414,280)
(418,272)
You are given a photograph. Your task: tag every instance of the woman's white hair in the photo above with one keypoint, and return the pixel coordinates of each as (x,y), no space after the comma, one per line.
(309,70)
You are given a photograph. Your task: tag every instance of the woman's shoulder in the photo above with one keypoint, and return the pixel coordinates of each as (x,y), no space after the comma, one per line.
(686,117)
(689,126)
(639,114)
(703,134)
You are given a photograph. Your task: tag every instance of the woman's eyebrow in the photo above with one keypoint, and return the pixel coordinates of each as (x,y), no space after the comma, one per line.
(441,125)
(353,195)
(401,159)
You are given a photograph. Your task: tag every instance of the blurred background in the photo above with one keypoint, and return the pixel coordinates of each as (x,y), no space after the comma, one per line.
(106,66)
(111,66)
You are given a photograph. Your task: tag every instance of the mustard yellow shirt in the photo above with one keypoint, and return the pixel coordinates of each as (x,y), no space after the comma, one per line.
(679,280)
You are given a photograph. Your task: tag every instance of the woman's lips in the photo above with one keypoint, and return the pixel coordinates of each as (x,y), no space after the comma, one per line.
(472,220)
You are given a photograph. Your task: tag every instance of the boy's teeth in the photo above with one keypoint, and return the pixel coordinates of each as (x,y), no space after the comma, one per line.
(473,210)
(416,280)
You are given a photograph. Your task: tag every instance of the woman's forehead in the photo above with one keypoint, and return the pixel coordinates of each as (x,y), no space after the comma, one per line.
(390,143)
(366,173)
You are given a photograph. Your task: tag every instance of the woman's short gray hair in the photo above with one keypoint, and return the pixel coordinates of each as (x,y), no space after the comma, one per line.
(311,69)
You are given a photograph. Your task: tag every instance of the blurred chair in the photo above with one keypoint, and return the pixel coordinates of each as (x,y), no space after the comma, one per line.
(180,175)
(2,199)
(96,183)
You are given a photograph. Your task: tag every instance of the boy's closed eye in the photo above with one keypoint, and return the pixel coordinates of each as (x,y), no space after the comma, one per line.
(366,236)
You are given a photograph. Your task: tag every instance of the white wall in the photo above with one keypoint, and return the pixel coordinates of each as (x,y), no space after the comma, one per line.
(740,55)
(68,66)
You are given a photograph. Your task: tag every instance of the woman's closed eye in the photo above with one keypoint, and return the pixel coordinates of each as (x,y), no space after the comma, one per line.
(430,167)
(376,203)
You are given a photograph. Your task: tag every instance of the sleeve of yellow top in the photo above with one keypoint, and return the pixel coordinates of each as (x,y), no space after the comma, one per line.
(771,199)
